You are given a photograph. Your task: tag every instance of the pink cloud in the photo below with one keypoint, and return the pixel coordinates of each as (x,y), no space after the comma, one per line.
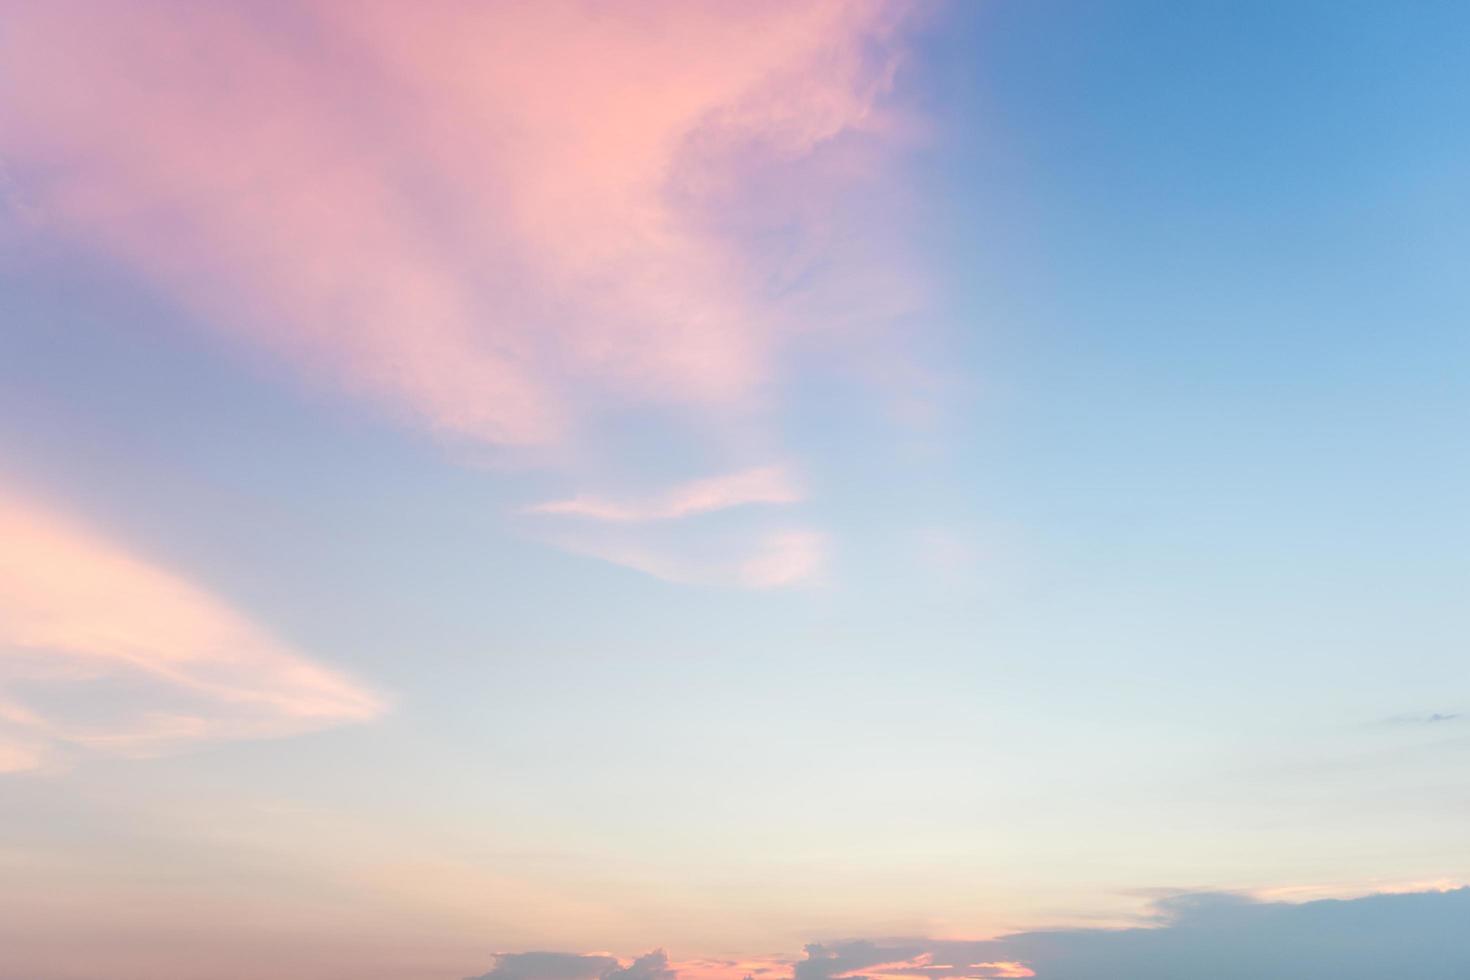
(759,485)
(19,757)
(153,661)
(769,560)
(483,217)
(657,966)
(785,558)
(750,556)
(1003,968)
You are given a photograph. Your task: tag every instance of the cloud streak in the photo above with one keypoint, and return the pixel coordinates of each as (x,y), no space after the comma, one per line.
(759,485)
(750,556)
(102,651)
(768,560)
(1427,718)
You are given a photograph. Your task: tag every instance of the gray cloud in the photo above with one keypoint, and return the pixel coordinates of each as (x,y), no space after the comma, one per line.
(652,966)
(576,966)
(1421,936)
(825,961)
(1206,936)
(549,966)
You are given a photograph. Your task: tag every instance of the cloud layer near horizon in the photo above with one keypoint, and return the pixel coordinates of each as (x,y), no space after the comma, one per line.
(101,651)
(1210,936)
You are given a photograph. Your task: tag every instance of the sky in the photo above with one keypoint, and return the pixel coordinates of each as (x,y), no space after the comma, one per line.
(808,490)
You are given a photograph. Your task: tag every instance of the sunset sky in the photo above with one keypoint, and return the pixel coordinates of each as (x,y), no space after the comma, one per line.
(810,490)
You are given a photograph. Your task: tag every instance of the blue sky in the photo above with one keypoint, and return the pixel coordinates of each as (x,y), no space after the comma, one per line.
(1069,397)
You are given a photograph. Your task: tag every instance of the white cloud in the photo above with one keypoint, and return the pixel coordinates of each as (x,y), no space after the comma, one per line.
(758,485)
(106,652)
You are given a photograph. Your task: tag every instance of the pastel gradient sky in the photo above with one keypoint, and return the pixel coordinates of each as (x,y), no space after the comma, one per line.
(814,490)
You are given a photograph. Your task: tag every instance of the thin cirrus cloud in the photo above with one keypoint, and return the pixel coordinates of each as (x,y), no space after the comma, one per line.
(906,960)
(490,221)
(104,652)
(760,485)
(784,558)
(775,559)
(752,558)
(471,214)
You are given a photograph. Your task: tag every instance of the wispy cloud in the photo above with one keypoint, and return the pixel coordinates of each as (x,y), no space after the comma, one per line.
(759,485)
(1423,718)
(770,560)
(105,652)
(18,756)
(754,557)
(484,217)
(785,558)
(911,966)
(497,222)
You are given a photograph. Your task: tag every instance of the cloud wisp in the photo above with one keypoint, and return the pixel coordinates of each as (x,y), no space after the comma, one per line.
(758,485)
(101,651)
(752,556)
(482,217)
(1423,718)
(776,559)
(499,223)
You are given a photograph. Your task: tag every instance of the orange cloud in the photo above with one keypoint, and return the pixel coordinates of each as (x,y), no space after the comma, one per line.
(1003,968)
(151,660)
(923,965)
(19,757)
(479,216)
(913,966)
